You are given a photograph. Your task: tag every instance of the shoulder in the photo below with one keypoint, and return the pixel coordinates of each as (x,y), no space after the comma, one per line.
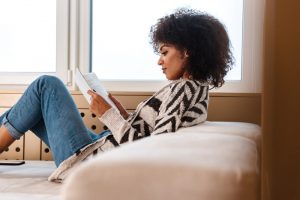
(179,88)
(187,86)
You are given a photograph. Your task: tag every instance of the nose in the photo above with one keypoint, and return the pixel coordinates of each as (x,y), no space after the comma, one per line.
(160,61)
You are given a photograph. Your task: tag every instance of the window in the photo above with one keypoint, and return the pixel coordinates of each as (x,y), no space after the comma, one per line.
(120,45)
(54,37)
(31,39)
(121,52)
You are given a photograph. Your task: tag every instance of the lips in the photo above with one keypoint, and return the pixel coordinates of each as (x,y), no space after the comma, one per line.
(163,69)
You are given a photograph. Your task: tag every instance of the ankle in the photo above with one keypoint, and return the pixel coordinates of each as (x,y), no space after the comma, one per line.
(5,138)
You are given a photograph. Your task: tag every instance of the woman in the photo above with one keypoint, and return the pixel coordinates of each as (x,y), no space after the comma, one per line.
(194,53)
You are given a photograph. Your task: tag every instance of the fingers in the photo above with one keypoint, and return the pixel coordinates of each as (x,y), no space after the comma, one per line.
(95,96)
(92,93)
(98,105)
(114,99)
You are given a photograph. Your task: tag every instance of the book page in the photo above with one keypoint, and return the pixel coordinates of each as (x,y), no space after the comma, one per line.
(93,81)
(82,85)
(90,81)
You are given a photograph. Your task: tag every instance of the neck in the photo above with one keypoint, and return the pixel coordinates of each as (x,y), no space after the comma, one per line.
(187,76)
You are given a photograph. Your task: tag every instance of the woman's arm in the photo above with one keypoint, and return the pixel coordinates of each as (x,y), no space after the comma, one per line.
(120,107)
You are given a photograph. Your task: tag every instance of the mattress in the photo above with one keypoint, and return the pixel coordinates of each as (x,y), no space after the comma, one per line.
(28,181)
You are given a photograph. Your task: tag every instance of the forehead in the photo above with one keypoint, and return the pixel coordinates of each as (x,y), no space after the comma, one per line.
(162,45)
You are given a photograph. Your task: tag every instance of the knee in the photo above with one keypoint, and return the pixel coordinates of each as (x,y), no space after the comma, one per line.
(50,81)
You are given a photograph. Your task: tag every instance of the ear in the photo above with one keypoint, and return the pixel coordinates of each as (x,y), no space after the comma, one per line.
(186,54)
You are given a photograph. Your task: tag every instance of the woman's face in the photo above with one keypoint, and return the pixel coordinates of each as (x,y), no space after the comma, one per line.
(172,62)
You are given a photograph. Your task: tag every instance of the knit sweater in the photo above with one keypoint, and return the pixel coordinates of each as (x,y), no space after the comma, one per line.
(182,103)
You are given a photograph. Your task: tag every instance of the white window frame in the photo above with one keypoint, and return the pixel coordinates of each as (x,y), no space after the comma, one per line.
(13,80)
(74,50)
(251,53)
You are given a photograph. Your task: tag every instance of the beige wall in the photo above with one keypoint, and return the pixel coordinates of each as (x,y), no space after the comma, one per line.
(242,107)
(281,97)
(222,106)
(235,107)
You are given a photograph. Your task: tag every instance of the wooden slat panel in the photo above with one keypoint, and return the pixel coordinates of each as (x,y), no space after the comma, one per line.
(91,121)
(15,151)
(130,102)
(45,152)
(8,100)
(80,101)
(32,146)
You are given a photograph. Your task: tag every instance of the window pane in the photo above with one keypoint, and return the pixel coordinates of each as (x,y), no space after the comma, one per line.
(120,43)
(27,35)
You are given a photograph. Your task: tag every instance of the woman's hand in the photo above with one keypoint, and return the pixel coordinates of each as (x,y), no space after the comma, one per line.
(122,110)
(98,105)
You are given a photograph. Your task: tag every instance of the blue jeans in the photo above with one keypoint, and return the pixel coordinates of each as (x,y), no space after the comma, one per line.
(48,110)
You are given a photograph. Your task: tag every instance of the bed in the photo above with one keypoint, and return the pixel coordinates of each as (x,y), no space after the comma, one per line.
(214,160)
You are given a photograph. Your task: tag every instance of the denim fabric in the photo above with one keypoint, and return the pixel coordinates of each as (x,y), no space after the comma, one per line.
(47,109)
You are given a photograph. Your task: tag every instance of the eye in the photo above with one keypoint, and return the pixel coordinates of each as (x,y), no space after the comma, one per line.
(164,53)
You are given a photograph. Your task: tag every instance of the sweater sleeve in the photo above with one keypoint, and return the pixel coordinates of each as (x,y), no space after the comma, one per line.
(178,102)
(116,123)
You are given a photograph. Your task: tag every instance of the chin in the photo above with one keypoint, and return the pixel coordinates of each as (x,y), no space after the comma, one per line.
(172,78)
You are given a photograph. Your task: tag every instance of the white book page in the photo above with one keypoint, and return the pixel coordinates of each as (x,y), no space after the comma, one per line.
(90,81)
(82,85)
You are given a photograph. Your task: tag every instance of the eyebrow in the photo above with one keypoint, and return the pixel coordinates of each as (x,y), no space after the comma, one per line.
(164,45)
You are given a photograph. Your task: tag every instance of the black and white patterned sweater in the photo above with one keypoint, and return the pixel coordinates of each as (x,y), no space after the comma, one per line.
(182,103)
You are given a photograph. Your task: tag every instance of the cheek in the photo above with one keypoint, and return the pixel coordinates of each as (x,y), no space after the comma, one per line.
(179,64)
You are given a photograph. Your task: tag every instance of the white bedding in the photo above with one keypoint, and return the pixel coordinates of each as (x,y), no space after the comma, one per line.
(28,181)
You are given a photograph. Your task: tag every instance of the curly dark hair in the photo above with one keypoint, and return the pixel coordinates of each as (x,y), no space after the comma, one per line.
(202,37)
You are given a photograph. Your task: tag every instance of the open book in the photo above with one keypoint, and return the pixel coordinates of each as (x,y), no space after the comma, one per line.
(90,81)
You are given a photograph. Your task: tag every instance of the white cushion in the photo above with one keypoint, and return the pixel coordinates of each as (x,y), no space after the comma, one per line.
(28,181)
(190,164)
(247,130)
